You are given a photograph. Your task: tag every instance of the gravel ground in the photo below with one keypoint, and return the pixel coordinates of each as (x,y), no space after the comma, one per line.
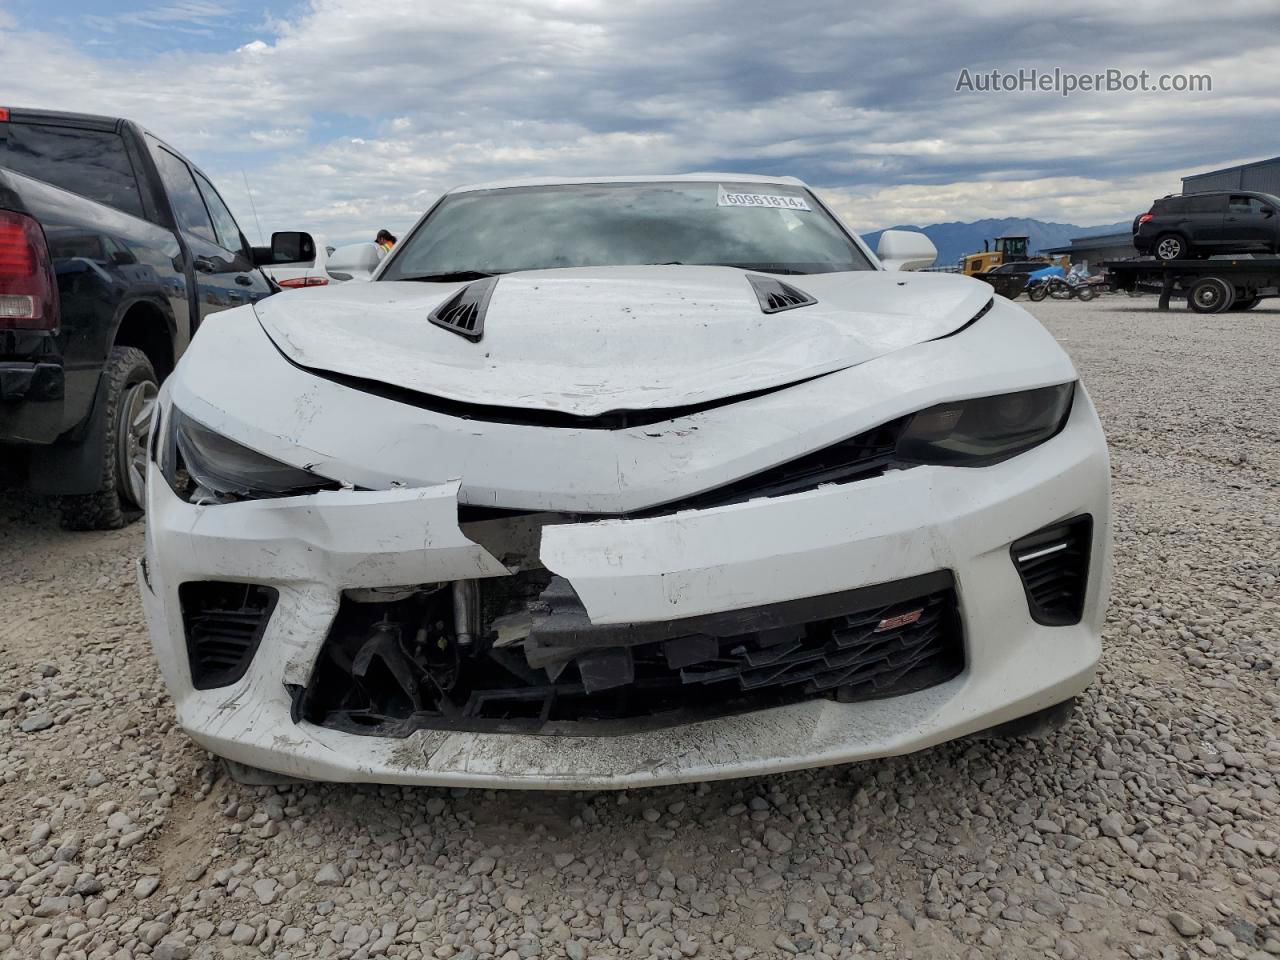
(1147,828)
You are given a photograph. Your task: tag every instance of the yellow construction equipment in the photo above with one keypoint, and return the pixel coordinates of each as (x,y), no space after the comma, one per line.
(1008,249)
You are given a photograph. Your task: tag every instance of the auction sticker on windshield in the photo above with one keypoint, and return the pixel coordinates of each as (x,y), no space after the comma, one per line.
(727,199)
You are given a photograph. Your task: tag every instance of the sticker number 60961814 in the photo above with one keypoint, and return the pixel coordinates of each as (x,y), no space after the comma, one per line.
(726,198)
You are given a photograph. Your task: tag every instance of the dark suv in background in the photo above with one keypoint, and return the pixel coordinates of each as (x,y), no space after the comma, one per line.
(1203,224)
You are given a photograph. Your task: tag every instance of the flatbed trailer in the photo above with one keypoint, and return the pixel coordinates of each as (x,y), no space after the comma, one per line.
(1210,286)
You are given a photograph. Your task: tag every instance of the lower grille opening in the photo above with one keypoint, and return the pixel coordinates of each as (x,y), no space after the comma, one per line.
(534,663)
(1053,563)
(224,623)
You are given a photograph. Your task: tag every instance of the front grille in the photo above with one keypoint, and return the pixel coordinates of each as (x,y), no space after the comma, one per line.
(1053,563)
(861,655)
(224,623)
(373,677)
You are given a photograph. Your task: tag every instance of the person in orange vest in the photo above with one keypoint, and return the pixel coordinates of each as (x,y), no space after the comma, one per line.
(385,241)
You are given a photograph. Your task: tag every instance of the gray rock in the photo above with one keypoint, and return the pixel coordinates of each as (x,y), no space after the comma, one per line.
(1185,925)
(1112,825)
(704,902)
(151,933)
(34,722)
(266,890)
(170,950)
(776,841)
(482,867)
(87,885)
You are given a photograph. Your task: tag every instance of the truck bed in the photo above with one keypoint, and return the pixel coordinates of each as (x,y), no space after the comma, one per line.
(1251,277)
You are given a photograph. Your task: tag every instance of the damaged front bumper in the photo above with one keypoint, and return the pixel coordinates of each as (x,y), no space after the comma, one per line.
(850,563)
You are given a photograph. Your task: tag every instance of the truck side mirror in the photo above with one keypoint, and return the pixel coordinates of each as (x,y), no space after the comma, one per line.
(287,246)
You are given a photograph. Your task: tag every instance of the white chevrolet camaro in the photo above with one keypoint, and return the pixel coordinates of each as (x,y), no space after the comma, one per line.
(623,481)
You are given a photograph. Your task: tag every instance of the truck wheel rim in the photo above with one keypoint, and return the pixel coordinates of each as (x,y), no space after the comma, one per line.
(133,432)
(1208,295)
(1169,249)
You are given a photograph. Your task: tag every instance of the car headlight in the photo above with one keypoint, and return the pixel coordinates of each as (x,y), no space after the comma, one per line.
(976,433)
(204,466)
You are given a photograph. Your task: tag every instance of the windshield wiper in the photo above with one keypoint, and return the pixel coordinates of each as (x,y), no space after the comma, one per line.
(451,277)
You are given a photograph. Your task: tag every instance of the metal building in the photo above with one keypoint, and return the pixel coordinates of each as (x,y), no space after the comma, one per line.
(1261,175)
(1093,251)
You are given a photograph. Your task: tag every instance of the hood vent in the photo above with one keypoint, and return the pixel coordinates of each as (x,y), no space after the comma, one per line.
(776,296)
(463,313)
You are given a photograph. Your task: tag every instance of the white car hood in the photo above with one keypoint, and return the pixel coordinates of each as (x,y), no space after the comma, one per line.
(588,341)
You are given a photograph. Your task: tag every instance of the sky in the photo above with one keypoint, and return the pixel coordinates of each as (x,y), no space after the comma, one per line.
(343,116)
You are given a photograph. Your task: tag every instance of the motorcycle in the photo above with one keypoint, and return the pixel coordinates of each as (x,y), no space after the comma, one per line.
(1061,288)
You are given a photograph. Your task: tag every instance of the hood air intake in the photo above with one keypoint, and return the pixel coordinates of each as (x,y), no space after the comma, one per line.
(463,313)
(776,296)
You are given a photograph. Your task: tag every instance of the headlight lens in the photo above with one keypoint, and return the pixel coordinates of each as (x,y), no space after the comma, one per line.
(975,433)
(201,464)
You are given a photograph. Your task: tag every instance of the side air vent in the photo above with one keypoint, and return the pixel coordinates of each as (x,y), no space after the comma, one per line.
(224,624)
(776,296)
(463,313)
(1053,563)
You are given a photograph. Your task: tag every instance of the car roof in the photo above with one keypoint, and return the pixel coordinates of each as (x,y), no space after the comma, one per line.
(1234,191)
(639,178)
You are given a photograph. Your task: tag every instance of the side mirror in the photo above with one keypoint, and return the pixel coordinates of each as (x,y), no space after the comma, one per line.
(1268,211)
(355,261)
(906,250)
(287,246)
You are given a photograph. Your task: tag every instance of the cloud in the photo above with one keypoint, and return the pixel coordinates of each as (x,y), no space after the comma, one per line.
(346,116)
(185,16)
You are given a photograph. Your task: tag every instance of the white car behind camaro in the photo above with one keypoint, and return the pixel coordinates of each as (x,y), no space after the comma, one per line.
(624,481)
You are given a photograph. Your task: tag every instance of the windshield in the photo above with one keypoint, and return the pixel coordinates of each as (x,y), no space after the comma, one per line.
(757,226)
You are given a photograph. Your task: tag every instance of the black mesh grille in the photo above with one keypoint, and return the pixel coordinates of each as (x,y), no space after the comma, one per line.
(861,655)
(1054,566)
(224,623)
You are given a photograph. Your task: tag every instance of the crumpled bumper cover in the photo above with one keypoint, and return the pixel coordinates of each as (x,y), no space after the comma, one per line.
(903,524)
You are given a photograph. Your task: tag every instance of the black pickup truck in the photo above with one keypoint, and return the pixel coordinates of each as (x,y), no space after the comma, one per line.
(114,248)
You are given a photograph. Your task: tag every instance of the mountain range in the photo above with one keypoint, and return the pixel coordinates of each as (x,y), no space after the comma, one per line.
(955,239)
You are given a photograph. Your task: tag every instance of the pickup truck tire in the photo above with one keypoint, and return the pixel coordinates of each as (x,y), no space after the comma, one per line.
(130,393)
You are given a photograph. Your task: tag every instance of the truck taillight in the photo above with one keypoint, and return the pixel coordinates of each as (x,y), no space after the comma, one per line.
(28,294)
(294,283)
